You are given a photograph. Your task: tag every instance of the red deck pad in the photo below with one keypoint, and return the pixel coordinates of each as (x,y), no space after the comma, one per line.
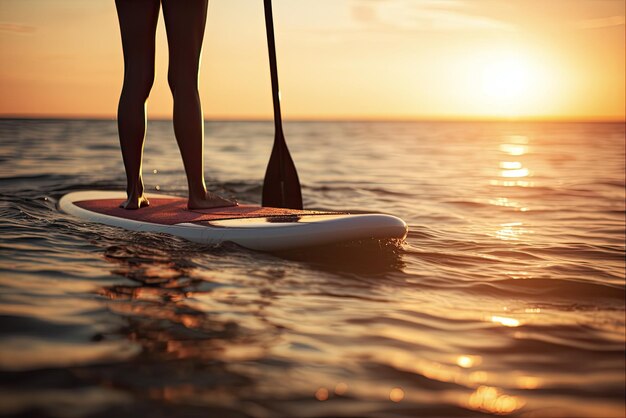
(174,211)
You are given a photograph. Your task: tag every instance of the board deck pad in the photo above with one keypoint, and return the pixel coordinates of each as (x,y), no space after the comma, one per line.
(172,211)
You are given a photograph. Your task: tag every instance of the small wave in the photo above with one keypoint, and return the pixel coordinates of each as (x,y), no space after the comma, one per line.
(553,289)
(579,251)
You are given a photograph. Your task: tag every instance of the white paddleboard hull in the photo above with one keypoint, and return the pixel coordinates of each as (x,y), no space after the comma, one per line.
(253,233)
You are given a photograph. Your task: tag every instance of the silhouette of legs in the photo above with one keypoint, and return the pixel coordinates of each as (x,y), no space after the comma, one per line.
(138,20)
(185,22)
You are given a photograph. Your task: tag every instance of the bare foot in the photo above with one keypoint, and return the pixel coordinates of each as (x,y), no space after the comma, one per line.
(135,202)
(209,201)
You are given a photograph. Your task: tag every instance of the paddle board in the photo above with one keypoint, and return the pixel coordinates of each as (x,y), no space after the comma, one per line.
(253,227)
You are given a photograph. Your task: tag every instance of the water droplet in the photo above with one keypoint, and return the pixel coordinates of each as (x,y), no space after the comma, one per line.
(321,394)
(396,394)
(341,388)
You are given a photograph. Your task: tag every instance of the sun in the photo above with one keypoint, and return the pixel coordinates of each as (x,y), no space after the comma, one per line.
(507,84)
(505,79)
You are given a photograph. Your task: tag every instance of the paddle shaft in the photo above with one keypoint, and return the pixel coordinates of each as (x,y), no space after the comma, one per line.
(271,47)
(281,187)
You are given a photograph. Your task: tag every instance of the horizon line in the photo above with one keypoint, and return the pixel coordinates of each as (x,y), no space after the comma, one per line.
(398,119)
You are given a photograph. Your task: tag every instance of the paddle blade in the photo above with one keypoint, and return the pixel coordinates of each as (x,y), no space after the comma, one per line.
(281,187)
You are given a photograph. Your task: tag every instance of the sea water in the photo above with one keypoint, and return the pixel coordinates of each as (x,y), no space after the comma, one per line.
(506,299)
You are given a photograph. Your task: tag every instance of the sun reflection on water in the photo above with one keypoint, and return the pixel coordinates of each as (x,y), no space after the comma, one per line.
(506,321)
(321,394)
(341,388)
(492,400)
(478,376)
(506,202)
(512,183)
(510,165)
(522,172)
(510,231)
(514,149)
(396,394)
(513,171)
(467,361)
(528,382)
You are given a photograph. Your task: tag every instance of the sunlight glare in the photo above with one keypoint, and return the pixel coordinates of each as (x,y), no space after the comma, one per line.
(528,382)
(510,165)
(396,394)
(511,231)
(522,172)
(492,400)
(513,149)
(506,79)
(467,361)
(507,322)
(507,82)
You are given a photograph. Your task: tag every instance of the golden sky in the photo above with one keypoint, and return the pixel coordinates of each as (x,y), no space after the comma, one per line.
(337,59)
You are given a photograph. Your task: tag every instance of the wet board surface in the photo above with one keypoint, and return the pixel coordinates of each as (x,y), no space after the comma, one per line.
(173,210)
(254,227)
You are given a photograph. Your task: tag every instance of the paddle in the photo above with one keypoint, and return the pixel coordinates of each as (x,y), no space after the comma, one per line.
(281,187)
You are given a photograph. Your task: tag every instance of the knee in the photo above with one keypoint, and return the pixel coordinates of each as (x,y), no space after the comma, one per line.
(138,83)
(182,84)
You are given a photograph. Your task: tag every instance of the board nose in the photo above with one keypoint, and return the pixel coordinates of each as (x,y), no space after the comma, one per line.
(390,226)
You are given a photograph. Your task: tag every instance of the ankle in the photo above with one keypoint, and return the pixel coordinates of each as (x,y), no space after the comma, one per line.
(197,192)
(136,189)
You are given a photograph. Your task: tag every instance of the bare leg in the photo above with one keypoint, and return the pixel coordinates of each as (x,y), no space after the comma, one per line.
(138,20)
(185,22)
